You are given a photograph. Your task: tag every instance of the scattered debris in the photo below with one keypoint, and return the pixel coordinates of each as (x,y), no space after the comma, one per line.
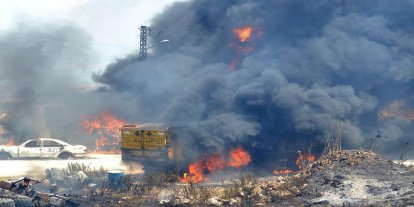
(336,178)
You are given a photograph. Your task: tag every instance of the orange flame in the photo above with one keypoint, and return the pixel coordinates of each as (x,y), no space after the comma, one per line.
(304,159)
(106,123)
(99,142)
(282,172)
(397,109)
(215,163)
(10,143)
(107,127)
(238,158)
(111,123)
(91,126)
(311,158)
(243,33)
(195,174)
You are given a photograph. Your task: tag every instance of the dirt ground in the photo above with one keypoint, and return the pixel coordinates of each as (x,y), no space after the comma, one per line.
(12,169)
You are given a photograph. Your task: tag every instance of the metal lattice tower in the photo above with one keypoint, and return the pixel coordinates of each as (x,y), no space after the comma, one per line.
(143,42)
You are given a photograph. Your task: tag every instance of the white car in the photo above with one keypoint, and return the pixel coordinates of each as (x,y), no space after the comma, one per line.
(42,148)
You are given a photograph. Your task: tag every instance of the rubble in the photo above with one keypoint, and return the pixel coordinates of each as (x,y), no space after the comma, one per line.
(340,178)
(337,178)
(60,187)
(361,178)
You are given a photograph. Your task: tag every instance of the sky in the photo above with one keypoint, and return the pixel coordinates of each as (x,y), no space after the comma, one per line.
(113,25)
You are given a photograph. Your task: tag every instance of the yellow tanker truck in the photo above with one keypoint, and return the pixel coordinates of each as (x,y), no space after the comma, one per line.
(152,145)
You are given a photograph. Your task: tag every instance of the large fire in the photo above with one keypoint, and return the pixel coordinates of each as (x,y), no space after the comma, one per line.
(397,109)
(244,33)
(106,127)
(237,158)
(195,173)
(215,163)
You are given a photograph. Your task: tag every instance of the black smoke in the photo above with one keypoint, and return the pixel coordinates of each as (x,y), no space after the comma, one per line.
(315,66)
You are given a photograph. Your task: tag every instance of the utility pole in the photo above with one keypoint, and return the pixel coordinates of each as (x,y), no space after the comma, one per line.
(143,42)
(143,48)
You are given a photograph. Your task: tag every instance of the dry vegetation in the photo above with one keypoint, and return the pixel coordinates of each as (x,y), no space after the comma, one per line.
(338,178)
(247,190)
(135,190)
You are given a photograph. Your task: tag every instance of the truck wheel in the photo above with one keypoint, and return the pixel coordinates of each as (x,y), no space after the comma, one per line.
(65,155)
(5,156)
(6,202)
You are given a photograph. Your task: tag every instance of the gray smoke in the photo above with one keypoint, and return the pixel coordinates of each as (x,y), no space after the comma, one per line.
(314,66)
(41,72)
(308,67)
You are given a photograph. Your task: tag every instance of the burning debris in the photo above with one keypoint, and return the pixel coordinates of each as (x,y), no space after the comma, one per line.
(338,178)
(106,126)
(237,158)
(303,160)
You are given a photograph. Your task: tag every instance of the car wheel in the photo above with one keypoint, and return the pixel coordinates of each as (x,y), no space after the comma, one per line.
(5,156)
(65,155)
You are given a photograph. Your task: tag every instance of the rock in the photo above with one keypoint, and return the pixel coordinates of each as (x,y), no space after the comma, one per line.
(339,177)
(22,201)
(354,203)
(341,159)
(395,187)
(215,201)
(336,183)
(6,202)
(76,179)
(55,174)
(373,190)
(318,203)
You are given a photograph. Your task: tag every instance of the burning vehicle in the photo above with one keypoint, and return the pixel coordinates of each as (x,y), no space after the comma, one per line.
(42,148)
(157,147)
(151,144)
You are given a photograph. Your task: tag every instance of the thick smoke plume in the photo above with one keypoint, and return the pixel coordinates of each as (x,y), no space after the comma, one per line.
(313,66)
(308,67)
(42,80)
